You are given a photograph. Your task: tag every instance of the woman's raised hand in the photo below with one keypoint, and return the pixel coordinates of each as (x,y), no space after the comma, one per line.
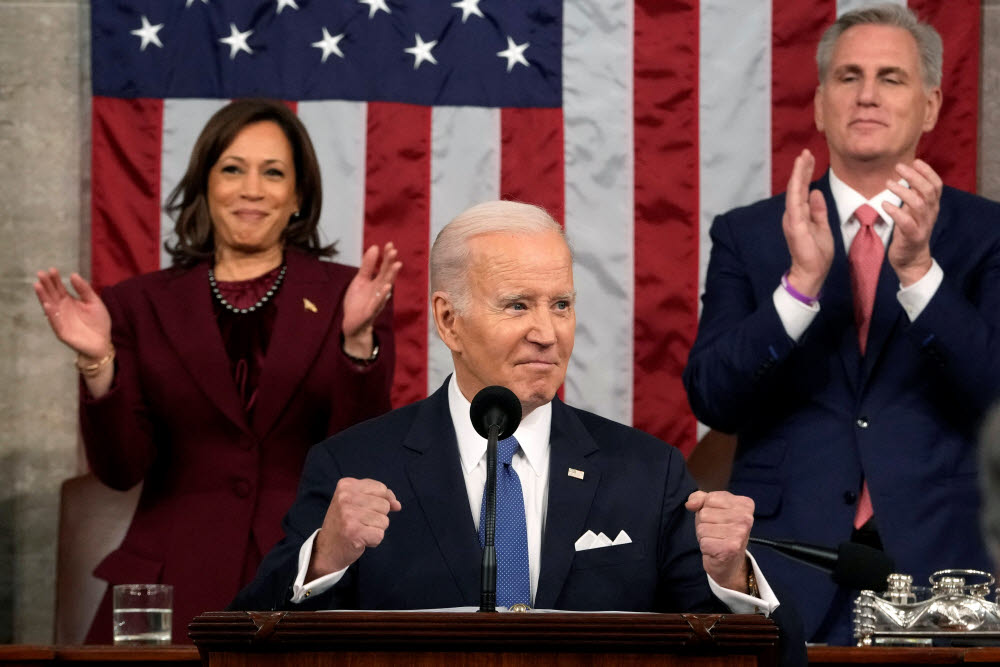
(367,295)
(81,322)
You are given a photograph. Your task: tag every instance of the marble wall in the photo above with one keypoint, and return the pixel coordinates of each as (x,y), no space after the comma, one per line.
(44,148)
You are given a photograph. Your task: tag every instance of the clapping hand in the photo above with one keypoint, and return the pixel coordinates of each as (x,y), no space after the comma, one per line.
(81,322)
(366,296)
(807,232)
(910,251)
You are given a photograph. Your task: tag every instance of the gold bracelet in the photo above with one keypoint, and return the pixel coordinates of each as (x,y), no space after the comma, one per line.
(93,370)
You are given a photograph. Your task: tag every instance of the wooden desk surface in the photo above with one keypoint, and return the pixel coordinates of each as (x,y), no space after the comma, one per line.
(187,656)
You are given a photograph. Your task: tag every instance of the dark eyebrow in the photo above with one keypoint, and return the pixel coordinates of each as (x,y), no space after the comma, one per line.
(888,71)
(267,163)
(851,68)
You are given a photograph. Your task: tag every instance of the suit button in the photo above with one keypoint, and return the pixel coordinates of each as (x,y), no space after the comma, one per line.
(862,422)
(850,497)
(241,488)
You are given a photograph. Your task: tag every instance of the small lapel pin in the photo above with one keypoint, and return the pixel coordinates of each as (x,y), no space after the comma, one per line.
(573,472)
(310,306)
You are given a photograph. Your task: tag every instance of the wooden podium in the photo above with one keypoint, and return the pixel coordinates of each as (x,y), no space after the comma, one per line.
(311,639)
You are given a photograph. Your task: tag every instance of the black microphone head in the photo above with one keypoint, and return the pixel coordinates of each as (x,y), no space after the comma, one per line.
(495,405)
(862,567)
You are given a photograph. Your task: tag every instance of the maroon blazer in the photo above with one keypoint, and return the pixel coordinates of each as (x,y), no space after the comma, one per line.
(215,480)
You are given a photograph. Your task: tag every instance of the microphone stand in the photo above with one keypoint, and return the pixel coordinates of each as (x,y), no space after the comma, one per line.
(488,570)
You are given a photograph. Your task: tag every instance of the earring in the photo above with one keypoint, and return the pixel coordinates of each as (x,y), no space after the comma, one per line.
(295,214)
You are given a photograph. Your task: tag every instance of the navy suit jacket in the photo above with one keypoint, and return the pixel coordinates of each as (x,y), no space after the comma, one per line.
(431,557)
(814,418)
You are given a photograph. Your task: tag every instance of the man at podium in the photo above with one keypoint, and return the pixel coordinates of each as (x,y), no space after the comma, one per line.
(591,514)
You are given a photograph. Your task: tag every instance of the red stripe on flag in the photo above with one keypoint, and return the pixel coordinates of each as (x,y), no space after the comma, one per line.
(397,209)
(531,159)
(125,199)
(532,169)
(666,214)
(796,28)
(951,148)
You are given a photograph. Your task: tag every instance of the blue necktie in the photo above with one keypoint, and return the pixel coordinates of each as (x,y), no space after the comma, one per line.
(513,583)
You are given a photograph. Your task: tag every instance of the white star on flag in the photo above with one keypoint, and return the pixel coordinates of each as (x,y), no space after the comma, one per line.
(468,7)
(421,51)
(286,3)
(514,53)
(374,6)
(329,44)
(237,41)
(148,34)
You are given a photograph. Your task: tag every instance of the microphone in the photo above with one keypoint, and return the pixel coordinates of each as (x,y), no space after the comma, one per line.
(495,406)
(851,565)
(495,414)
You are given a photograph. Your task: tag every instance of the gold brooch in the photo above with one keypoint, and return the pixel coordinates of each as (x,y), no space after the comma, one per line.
(310,306)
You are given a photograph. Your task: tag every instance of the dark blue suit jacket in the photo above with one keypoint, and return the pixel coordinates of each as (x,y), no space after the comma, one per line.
(430,556)
(816,417)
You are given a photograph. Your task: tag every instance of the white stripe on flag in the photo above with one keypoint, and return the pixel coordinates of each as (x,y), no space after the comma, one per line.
(338,131)
(847,5)
(734,105)
(183,121)
(465,170)
(597,112)
(734,112)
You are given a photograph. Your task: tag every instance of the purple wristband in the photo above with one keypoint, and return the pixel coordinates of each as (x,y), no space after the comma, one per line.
(797,295)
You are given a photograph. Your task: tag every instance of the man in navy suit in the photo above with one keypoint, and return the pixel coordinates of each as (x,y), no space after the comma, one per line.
(388,512)
(849,334)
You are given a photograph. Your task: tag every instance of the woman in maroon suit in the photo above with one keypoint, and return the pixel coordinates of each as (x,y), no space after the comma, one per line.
(208,381)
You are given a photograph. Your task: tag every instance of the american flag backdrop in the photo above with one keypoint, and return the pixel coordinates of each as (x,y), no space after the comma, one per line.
(633,123)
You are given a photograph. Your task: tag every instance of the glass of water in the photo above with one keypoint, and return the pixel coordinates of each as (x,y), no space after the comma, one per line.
(143,614)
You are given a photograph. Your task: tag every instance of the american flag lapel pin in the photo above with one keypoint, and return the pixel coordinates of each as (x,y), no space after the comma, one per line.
(573,472)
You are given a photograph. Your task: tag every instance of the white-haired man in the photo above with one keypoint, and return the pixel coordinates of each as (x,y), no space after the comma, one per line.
(388,514)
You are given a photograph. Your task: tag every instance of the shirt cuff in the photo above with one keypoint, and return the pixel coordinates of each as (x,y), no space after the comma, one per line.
(915,298)
(303,591)
(741,603)
(795,316)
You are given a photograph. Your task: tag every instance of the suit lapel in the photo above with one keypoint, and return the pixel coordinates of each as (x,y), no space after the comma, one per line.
(569,500)
(299,333)
(439,485)
(183,305)
(837,310)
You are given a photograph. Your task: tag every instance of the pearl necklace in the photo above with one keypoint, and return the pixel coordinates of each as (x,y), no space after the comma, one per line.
(242,311)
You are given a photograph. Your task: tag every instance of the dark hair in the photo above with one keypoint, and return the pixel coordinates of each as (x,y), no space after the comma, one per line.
(188,204)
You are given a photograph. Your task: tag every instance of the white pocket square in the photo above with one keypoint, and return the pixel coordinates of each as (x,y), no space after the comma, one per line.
(591,541)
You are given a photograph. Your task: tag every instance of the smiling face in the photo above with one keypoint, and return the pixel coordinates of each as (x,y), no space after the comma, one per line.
(252,191)
(874,105)
(518,328)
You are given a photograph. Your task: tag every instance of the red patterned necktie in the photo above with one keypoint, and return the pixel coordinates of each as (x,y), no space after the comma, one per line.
(865,260)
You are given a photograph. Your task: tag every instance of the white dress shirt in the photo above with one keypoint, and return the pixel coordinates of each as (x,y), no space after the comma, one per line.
(531,463)
(797,316)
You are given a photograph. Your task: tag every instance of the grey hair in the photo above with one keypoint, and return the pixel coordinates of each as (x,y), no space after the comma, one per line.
(989,481)
(450,254)
(928,40)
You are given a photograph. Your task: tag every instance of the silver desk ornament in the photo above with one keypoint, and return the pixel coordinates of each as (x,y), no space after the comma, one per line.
(951,610)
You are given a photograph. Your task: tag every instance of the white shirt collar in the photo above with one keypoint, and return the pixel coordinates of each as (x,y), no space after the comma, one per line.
(532,433)
(848,200)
